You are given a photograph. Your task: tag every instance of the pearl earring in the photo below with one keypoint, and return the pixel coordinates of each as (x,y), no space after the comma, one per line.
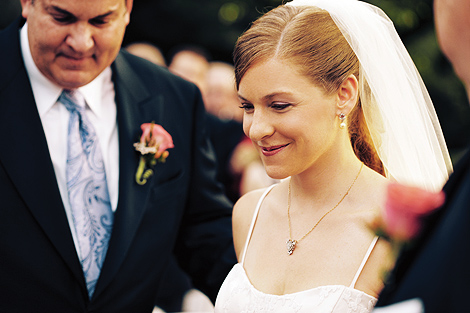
(342,117)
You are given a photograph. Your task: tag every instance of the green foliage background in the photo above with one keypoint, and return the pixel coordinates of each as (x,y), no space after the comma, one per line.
(216,25)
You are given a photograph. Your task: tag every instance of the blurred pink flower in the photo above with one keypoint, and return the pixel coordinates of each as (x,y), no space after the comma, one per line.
(404,209)
(402,217)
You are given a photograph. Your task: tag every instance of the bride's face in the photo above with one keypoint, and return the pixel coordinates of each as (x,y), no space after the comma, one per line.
(290,120)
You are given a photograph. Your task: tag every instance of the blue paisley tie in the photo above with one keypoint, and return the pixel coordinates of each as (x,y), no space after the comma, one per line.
(88,192)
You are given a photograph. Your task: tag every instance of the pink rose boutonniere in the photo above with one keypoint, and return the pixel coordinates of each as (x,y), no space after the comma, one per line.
(402,217)
(405,209)
(153,145)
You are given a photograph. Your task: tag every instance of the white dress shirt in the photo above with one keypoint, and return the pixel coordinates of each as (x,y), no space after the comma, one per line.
(101,111)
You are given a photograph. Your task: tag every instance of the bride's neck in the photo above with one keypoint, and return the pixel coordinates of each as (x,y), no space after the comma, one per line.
(326,178)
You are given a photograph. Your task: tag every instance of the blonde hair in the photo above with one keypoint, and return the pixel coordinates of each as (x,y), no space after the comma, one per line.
(308,38)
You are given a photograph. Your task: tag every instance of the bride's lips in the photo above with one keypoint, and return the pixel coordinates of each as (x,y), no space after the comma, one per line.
(272,150)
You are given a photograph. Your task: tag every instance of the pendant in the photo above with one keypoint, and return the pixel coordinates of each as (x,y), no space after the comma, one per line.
(290,246)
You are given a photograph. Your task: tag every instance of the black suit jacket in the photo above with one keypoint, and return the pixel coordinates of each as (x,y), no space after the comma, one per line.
(436,268)
(181,209)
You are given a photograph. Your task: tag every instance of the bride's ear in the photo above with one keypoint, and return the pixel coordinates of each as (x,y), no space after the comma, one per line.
(347,95)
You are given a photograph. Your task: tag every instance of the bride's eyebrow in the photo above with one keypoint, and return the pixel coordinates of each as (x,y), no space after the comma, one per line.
(268,97)
(274,94)
(242,98)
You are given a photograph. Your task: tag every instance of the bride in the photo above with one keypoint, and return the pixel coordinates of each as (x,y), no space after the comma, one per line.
(336,109)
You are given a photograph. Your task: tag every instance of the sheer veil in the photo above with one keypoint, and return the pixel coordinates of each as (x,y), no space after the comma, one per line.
(397,107)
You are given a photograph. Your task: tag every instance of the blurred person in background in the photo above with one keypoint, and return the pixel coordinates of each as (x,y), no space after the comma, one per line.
(221,97)
(147,51)
(190,63)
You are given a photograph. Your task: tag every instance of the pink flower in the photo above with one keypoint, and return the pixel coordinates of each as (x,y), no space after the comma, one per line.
(402,217)
(404,209)
(153,145)
(155,139)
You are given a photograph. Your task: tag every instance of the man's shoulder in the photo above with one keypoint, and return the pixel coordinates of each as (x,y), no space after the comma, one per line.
(140,64)
(10,54)
(145,79)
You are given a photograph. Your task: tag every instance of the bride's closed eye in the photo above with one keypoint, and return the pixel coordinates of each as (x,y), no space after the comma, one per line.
(247,107)
(279,106)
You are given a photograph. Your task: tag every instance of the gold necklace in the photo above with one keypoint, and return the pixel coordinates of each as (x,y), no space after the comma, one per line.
(291,244)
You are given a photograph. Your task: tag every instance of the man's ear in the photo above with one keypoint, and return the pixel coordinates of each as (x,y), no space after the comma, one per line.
(129,5)
(25,7)
(347,95)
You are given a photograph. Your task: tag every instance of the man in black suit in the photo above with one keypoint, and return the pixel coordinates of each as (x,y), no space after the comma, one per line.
(436,269)
(181,210)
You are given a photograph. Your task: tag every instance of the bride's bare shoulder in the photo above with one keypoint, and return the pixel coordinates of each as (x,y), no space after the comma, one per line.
(242,216)
(244,208)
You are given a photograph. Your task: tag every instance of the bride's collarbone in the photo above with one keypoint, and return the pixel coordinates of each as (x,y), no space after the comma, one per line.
(306,268)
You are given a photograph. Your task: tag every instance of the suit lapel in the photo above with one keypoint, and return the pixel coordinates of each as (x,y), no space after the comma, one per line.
(25,155)
(130,97)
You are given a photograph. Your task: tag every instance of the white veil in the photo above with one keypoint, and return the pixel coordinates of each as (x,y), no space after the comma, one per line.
(397,107)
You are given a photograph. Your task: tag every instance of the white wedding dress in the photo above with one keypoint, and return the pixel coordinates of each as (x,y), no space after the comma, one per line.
(238,295)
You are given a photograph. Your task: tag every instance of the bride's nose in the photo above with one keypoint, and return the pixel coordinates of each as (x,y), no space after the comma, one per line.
(258,126)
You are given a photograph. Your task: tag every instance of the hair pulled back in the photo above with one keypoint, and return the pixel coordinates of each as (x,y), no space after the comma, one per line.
(309,38)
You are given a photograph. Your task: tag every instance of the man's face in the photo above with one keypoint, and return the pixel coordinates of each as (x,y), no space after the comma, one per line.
(73,41)
(453,32)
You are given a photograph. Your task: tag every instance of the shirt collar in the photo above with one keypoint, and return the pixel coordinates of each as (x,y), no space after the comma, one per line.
(93,91)
(46,92)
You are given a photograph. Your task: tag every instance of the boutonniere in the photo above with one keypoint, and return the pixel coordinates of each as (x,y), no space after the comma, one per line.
(153,145)
(402,217)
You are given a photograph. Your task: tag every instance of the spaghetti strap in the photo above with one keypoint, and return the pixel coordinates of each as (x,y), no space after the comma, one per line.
(366,257)
(252,226)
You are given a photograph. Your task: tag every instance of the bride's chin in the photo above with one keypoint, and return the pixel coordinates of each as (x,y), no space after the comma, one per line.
(276,174)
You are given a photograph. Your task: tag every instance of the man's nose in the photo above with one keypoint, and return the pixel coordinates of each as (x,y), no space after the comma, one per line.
(80,37)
